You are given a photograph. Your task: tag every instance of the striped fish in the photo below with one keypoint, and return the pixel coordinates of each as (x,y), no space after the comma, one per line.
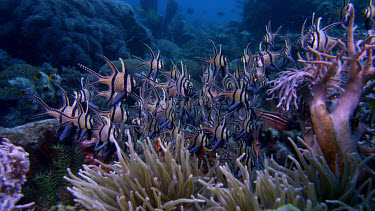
(107,131)
(82,118)
(369,14)
(301,40)
(118,82)
(244,126)
(180,87)
(276,120)
(67,114)
(369,11)
(286,52)
(270,36)
(199,142)
(155,63)
(317,38)
(84,95)
(209,75)
(117,114)
(343,12)
(219,61)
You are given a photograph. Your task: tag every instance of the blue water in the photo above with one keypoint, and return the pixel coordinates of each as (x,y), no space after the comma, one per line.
(211,11)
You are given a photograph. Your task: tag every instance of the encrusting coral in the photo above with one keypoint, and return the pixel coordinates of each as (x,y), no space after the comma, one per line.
(163,180)
(14,164)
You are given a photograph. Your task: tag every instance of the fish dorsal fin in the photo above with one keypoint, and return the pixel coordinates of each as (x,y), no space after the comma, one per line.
(268,27)
(214,47)
(79,106)
(166,98)
(175,68)
(247,47)
(123,68)
(82,86)
(114,69)
(183,72)
(164,94)
(158,56)
(64,95)
(245,52)
(278,30)
(260,46)
(151,52)
(312,19)
(318,24)
(157,95)
(330,26)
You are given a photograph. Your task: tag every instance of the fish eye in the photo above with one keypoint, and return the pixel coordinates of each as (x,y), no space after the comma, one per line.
(134,122)
(237,128)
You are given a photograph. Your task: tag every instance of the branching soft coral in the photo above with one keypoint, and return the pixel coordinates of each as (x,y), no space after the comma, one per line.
(162,180)
(342,74)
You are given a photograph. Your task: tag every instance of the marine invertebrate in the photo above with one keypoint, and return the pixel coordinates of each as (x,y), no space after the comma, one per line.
(159,181)
(336,80)
(13,168)
(308,185)
(48,188)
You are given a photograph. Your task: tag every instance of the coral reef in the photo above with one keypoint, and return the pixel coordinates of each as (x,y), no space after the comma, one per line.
(13,168)
(6,60)
(185,129)
(65,32)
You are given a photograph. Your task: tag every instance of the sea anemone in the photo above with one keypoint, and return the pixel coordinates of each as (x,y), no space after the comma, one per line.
(162,180)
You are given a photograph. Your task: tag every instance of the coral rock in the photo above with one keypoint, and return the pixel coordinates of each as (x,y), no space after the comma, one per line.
(14,164)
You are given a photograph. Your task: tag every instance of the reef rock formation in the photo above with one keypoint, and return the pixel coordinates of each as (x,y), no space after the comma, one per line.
(65,32)
(31,137)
